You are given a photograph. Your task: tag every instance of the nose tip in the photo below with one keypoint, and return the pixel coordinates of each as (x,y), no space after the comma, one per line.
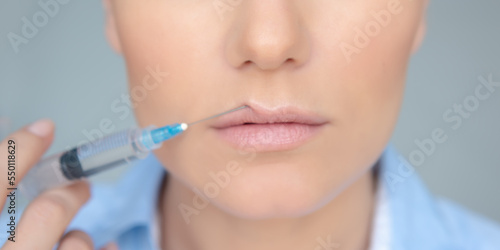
(268,40)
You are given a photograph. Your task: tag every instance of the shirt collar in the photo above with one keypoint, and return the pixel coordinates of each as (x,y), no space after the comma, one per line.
(415,219)
(381,225)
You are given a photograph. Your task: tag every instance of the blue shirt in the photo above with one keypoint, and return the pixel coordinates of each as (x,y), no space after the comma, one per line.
(407,216)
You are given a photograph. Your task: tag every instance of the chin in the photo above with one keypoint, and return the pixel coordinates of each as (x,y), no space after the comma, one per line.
(267,192)
(286,206)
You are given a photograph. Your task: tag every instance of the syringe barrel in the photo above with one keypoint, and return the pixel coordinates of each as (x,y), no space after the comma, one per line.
(83,161)
(46,174)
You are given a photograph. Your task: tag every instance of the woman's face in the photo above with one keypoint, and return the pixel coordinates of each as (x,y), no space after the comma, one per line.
(342,60)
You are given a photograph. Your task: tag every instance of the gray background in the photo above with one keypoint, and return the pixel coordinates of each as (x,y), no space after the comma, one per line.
(68,73)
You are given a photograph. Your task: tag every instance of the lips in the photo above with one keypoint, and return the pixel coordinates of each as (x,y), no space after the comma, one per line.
(264,129)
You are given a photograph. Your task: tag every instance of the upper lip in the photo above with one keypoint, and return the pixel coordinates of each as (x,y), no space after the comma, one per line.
(261,115)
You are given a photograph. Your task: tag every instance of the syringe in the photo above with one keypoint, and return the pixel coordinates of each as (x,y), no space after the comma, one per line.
(99,155)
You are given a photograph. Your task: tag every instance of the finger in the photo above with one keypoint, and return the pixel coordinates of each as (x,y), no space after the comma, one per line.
(20,151)
(46,218)
(76,240)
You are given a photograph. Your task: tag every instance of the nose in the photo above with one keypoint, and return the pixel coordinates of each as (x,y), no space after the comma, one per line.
(267,35)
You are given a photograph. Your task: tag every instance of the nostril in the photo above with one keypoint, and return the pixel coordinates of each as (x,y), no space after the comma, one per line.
(247,63)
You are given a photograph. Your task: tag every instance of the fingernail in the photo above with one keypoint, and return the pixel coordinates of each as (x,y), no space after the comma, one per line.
(41,128)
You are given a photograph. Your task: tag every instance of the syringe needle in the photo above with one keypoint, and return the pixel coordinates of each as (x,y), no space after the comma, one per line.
(217,115)
(165,133)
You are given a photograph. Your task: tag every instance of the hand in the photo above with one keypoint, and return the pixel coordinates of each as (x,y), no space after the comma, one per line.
(46,217)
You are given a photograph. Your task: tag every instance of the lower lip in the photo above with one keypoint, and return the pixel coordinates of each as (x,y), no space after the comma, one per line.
(269,137)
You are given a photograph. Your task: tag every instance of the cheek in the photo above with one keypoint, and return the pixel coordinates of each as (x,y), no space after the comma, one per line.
(365,92)
(188,93)
(163,37)
(378,75)
(375,73)
(367,60)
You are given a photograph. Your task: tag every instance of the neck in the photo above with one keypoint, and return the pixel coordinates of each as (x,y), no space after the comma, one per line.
(344,223)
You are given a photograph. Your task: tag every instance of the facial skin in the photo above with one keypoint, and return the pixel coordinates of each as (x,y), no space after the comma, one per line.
(271,53)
